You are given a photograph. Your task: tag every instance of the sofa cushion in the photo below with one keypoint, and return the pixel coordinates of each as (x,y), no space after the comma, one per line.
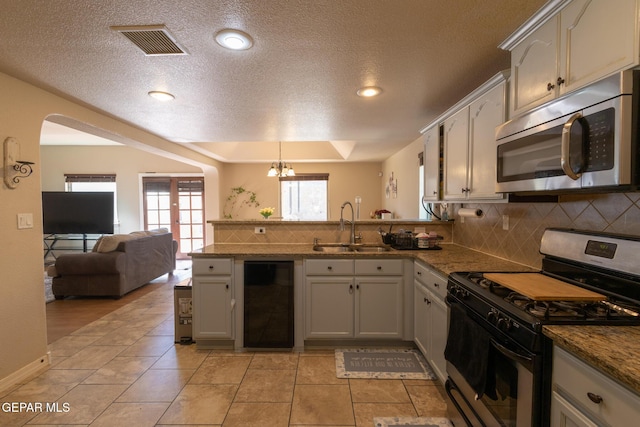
(91,263)
(110,243)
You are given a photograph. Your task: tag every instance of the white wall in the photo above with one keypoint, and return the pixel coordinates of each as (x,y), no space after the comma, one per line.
(22,308)
(346,181)
(405,168)
(126,162)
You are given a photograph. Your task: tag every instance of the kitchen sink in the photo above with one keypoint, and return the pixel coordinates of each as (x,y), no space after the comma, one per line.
(370,248)
(332,248)
(339,247)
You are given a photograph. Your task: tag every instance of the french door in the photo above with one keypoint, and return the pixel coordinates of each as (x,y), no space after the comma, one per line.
(176,203)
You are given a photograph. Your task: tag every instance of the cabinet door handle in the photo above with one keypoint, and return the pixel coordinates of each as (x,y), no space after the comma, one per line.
(227,286)
(437,285)
(425,299)
(560,81)
(595,398)
(379,267)
(358,286)
(550,87)
(419,273)
(428,301)
(211,267)
(350,289)
(329,268)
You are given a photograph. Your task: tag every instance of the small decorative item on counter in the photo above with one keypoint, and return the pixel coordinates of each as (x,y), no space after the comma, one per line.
(266,212)
(427,241)
(380,213)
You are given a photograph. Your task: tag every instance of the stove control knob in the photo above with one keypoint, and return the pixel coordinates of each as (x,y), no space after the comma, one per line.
(492,315)
(504,323)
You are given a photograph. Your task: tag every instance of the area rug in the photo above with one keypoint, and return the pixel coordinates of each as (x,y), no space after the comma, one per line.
(48,293)
(411,422)
(382,364)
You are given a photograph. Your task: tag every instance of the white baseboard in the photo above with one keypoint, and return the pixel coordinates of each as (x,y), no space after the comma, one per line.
(25,372)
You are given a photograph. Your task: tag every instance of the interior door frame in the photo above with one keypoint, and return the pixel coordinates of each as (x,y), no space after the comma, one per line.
(141,200)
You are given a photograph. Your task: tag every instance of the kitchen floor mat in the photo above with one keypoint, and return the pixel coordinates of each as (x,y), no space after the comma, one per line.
(411,422)
(382,364)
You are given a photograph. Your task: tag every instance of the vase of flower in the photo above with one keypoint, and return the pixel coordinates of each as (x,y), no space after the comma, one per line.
(266,212)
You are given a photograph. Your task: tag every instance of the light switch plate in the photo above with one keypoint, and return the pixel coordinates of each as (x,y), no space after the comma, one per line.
(25,220)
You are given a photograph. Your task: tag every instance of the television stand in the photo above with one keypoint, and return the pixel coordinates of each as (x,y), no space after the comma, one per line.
(50,241)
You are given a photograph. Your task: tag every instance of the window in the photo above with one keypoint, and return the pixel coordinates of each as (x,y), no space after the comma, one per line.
(88,182)
(303,197)
(422,211)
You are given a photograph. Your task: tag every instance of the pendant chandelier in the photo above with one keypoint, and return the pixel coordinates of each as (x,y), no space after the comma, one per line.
(281,168)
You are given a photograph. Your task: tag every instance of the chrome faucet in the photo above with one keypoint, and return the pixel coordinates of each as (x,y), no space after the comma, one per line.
(352,237)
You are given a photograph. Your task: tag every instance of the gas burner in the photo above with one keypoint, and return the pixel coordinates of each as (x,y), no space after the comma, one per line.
(543,309)
(491,286)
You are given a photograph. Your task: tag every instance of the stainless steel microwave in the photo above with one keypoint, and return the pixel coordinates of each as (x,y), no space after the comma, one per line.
(585,140)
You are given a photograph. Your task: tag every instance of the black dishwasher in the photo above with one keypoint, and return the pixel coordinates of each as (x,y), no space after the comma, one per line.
(268,304)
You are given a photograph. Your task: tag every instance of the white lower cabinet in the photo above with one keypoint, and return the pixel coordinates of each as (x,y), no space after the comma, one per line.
(353,299)
(430,317)
(212,299)
(329,307)
(583,396)
(378,307)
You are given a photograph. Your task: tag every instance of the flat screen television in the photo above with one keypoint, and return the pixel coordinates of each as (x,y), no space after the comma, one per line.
(77,212)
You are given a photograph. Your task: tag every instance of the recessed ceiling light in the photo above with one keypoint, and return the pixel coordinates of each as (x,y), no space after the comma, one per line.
(161,96)
(234,39)
(369,91)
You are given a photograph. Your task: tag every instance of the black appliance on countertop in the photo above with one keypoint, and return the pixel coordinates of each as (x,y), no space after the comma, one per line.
(507,382)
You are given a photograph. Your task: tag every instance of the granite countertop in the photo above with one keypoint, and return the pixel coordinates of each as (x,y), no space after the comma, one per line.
(613,350)
(447,260)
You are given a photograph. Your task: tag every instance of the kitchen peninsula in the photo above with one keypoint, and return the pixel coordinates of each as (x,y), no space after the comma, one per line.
(236,242)
(363,295)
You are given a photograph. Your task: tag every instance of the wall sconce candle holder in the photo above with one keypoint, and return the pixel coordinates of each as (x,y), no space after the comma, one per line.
(14,170)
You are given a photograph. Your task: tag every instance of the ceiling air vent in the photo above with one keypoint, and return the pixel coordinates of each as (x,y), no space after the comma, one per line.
(152,39)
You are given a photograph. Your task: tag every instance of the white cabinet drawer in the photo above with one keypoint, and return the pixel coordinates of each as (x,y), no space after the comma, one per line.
(577,381)
(329,267)
(430,279)
(212,266)
(385,267)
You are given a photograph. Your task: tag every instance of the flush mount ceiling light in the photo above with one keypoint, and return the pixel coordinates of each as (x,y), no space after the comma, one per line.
(234,39)
(281,168)
(369,91)
(161,96)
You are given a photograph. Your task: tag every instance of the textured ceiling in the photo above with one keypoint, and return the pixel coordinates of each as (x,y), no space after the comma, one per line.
(297,84)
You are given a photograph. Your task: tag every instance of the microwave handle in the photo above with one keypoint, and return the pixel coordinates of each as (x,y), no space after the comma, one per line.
(566,147)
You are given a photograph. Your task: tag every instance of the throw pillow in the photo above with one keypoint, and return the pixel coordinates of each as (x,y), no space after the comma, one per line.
(110,243)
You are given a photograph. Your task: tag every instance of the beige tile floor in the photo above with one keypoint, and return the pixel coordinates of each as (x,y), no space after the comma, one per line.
(124,369)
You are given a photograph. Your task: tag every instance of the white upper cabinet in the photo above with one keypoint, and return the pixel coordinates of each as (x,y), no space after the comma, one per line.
(469,170)
(456,141)
(597,38)
(568,45)
(431,159)
(485,114)
(534,68)
(469,145)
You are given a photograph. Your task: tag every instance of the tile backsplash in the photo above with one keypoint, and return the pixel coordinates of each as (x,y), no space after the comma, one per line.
(306,231)
(611,212)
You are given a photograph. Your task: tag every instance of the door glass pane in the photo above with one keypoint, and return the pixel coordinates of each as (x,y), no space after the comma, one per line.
(176,204)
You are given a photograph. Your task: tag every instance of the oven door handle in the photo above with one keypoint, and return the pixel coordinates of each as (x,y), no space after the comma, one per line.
(512,355)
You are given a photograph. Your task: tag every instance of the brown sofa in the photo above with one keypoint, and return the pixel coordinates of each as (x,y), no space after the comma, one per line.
(118,264)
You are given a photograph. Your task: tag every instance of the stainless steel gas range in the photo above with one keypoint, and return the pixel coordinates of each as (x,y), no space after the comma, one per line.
(498,360)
